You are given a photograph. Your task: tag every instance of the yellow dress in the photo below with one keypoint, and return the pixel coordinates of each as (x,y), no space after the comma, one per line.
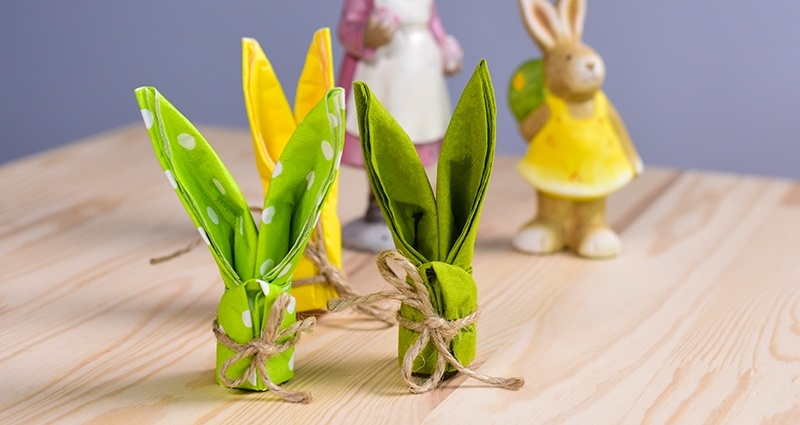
(272,123)
(576,158)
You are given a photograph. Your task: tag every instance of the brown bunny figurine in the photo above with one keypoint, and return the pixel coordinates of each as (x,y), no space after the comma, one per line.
(579,151)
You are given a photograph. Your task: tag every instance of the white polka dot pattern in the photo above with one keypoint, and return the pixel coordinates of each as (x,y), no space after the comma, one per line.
(219,186)
(310,180)
(327,150)
(147,117)
(266,266)
(285,270)
(204,235)
(267,215)
(171,178)
(264,287)
(212,215)
(186,140)
(342,105)
(292,305)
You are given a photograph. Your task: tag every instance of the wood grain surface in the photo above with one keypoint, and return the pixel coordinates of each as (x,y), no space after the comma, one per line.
(698,321)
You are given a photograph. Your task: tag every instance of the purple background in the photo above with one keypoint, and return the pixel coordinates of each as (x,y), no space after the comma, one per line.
(710,85)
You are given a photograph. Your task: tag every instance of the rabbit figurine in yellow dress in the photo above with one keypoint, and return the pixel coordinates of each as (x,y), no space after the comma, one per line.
(579,150)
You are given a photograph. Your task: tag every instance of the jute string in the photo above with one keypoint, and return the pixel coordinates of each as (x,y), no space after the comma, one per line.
(318,255)
(326,272)
(185,250)
(411,291)
(264,348)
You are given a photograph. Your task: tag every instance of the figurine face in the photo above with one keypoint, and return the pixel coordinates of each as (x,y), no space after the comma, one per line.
(574,71)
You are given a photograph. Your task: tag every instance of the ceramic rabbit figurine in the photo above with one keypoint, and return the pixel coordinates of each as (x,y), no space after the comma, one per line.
(579,150)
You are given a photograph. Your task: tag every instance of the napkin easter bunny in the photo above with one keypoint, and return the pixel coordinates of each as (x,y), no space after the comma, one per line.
(256,325)
(579,151)
(272,122)
(434,234)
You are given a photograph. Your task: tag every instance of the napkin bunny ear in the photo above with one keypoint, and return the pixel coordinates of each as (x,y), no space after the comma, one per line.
(215,202)
(397,177)
(263,92)
(427,228)
(465,165)
(272,121)
(317,75)
(299,184)
(205,187)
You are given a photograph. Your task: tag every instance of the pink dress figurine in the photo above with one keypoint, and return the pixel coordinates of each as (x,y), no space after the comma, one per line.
(400,49)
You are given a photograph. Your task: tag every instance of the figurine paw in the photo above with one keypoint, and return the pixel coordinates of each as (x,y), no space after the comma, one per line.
(602,243)
(370,236)
(538,238)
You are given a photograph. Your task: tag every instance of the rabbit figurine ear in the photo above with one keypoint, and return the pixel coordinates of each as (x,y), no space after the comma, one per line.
(543,23)
(573,15)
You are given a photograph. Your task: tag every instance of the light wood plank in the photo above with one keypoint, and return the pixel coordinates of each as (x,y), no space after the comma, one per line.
(696,320)
(696,323)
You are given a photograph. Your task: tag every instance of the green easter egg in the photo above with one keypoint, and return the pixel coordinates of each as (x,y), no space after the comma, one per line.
(526,88)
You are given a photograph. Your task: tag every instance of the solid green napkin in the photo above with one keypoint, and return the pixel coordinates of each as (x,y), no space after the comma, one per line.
(256,264)
(436,233)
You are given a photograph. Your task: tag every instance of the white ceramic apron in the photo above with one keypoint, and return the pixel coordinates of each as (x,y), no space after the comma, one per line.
(406,75)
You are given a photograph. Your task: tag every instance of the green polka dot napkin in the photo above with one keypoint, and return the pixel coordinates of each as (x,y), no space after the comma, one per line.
(256,263)
(436,233)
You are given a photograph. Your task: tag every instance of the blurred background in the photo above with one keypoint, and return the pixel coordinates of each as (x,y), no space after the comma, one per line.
(710,85)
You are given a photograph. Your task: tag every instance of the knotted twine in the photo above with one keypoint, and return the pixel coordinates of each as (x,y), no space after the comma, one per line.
(327,272)
(411,291)
(272,342)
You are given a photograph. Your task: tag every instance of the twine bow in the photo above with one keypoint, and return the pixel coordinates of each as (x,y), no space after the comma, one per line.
(264,348)
(411,291)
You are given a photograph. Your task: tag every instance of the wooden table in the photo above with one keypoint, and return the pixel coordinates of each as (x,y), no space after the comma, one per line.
(698,321)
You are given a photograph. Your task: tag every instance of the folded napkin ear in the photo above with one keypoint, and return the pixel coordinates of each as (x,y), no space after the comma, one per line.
(272,121)
(317,76)
(205,187)
(465,165)
(397,177)
(299,184)
(301,180)
(427,228)
(263,92)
